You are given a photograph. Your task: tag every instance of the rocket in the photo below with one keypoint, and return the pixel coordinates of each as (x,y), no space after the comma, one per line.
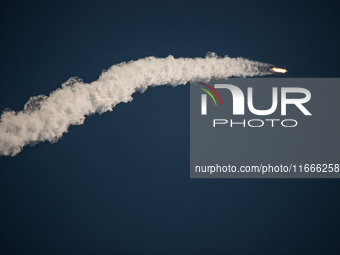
(278,70)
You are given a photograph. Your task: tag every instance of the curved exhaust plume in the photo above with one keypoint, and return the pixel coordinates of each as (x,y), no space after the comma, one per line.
(46,118)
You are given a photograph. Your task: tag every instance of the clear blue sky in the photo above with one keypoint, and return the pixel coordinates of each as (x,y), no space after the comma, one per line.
(119,184)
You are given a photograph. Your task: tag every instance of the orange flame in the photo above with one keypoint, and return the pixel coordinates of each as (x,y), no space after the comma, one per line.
(278,70)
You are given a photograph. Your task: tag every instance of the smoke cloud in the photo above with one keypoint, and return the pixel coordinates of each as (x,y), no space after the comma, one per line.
(46,118)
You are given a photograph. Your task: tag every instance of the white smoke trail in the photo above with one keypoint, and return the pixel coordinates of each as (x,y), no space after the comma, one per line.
(47,118)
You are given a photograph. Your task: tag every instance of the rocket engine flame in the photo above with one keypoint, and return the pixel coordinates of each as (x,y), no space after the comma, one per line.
(278,70)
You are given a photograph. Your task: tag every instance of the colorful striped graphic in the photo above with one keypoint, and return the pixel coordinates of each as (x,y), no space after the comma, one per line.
(213,90)
(209,94)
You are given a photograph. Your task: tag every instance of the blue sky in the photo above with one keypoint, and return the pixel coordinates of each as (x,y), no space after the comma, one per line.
(119,184)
